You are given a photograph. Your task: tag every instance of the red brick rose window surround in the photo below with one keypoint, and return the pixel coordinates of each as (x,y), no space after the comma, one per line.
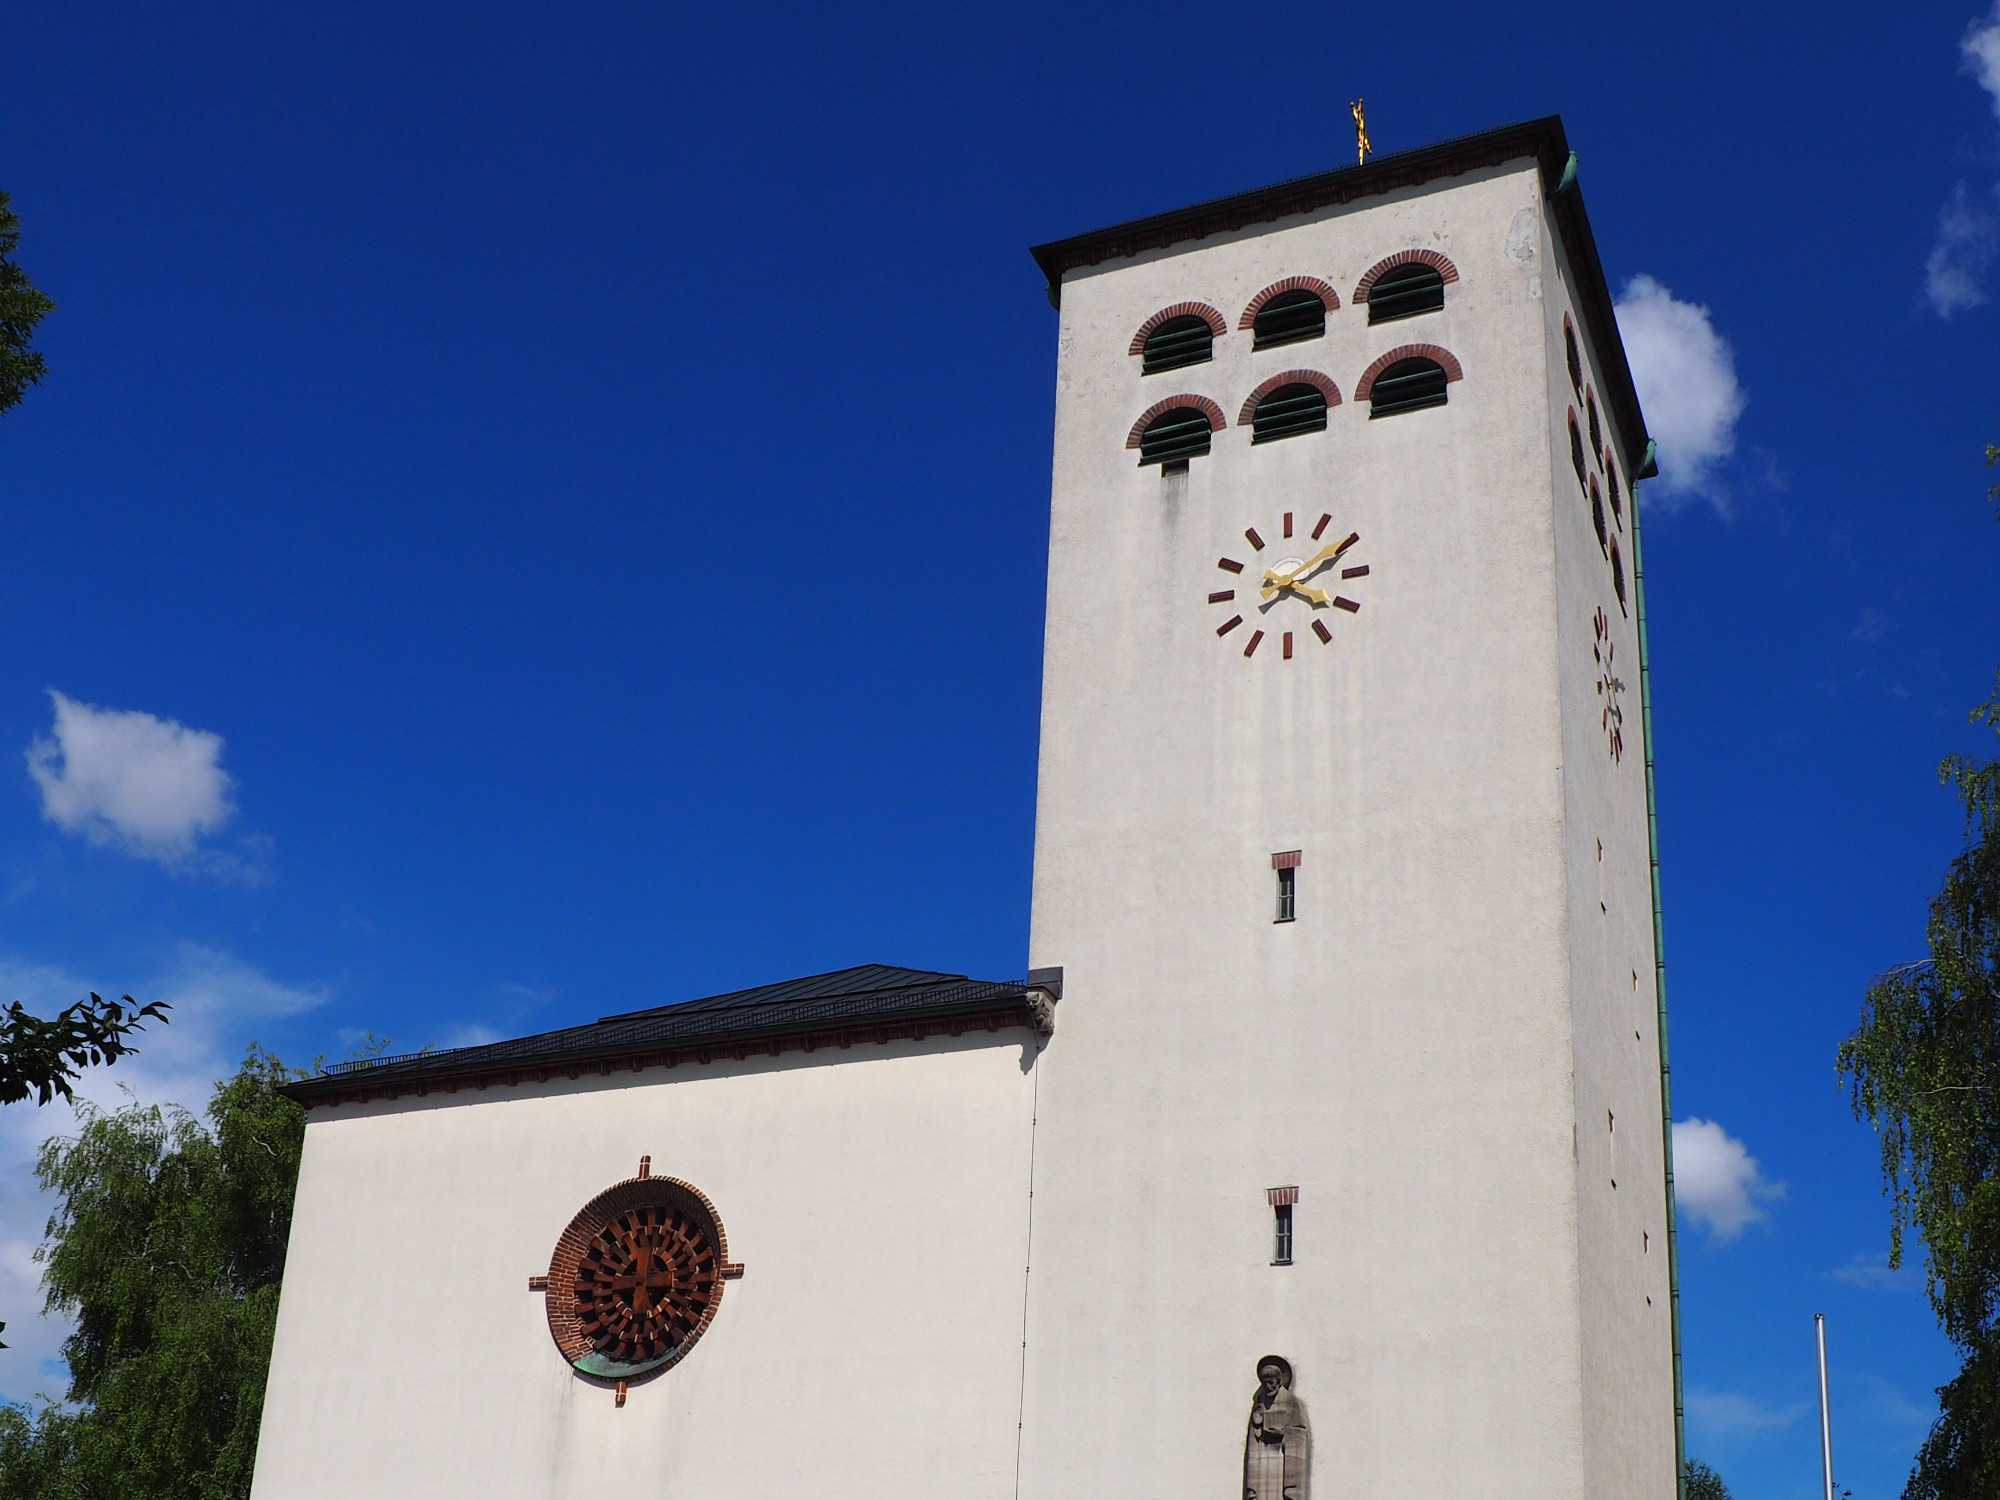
(636,1278)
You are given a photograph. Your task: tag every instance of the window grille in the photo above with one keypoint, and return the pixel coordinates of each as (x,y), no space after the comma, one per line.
(1618,576)
(1186,340)
(1570,355)
(1288,894)
(1597,517)
(1175,436)
(1617,498)
(1289,318)
(1596,432)
(1405,292)
(1407,385)
(1289,411)
(1576,453)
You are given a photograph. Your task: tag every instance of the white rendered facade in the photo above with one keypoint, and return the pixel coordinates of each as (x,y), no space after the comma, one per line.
(1005,1265)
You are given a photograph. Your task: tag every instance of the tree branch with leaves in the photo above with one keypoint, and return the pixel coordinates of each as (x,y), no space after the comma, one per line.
(43,1057)
(1924,1069)
(22,306)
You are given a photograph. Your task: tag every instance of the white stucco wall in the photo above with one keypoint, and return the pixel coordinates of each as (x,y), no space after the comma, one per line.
(1407,1051)
(877,1198)
(1623,1286)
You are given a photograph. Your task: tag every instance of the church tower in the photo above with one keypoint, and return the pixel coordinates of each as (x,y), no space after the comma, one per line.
(1343,847)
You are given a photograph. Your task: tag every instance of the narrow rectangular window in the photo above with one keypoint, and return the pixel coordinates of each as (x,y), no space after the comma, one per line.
(1281,1200)
(1287,866)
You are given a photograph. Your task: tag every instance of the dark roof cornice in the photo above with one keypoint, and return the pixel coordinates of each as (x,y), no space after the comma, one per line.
(1541,139)
(871,1003)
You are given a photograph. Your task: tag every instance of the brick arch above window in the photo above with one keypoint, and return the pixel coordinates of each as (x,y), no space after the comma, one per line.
(1365,386)
(1312,284)
(1313,378)
(1216,421)
(1431,258)
(1179,310)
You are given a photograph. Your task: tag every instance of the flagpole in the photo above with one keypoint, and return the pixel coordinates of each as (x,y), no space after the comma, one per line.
(1825,1427)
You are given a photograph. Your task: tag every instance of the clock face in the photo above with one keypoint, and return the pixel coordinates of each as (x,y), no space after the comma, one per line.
(1610,690)
(636,1278)
(1288,587)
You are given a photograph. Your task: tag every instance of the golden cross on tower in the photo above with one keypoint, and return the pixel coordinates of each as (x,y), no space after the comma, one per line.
(1362,145)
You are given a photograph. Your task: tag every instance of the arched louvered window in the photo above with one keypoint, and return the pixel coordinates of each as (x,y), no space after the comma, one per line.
(1596,432)
(1617,498)
(1186,340)
(1570,357)
(1576,452)
(1597,517)
(1407,385)
(1289,411)
(1175,436)
(1618,576)
(1405,291)
(1288,318)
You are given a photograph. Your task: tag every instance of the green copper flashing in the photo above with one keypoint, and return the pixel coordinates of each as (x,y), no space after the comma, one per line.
(1568,179)
(1647,471)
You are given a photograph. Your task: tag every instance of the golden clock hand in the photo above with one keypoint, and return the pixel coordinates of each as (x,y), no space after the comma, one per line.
(1273,580)
(1303,590)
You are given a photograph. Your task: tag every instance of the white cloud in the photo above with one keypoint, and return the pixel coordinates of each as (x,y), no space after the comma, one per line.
(1726,1414)
(1717,1182)
(1872,1273)
(218,1003)
(1686,375)
(151,787)
(1981,51)
(1968,231)
(1968,237)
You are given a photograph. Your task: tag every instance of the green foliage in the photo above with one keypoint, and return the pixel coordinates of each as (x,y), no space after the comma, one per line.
(1924,1067)
(21,308)
(1993,490)
(43,1057)
(167,1248)
(1700,1482)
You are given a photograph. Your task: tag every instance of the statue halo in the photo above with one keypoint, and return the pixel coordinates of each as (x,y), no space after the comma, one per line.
(1284,1368)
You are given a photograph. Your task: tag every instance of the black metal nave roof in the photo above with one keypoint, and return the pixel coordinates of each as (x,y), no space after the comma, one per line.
(870,1002)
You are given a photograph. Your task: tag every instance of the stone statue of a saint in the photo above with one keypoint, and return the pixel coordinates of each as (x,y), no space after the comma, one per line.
(1277,1449)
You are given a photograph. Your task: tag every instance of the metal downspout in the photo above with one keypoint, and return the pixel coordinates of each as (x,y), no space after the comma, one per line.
(1660,995)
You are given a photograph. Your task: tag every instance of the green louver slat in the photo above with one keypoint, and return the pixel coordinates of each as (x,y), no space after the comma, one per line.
(1182,341)
(1287,412)
(1405,292)
(1407,385)
(1180,433)
(1288,319)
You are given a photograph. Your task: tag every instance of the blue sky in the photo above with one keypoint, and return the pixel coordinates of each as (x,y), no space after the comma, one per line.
(504,456)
